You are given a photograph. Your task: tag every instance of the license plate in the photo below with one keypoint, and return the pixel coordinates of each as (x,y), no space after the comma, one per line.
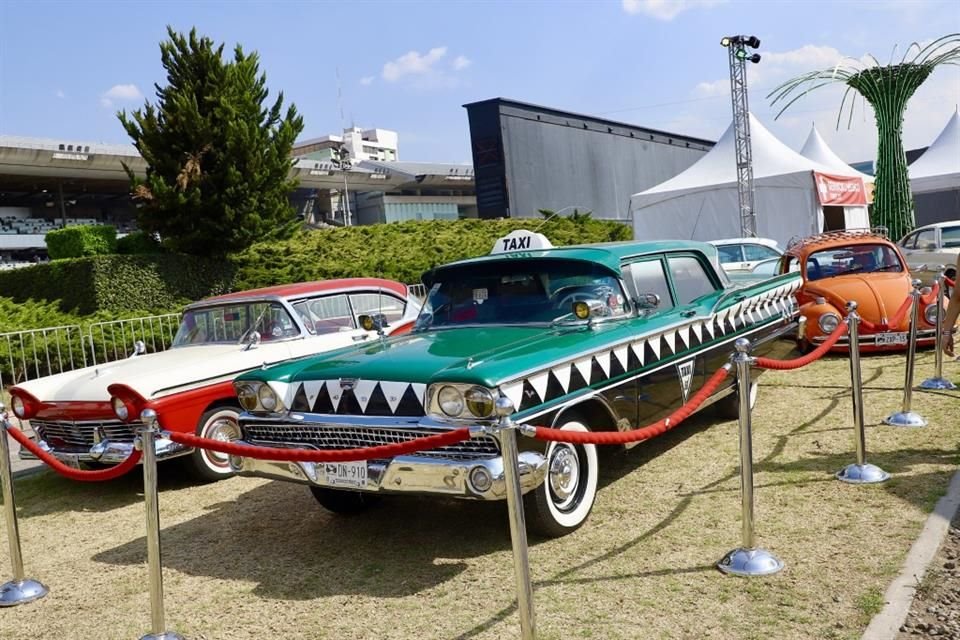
(884,339)
(346,474)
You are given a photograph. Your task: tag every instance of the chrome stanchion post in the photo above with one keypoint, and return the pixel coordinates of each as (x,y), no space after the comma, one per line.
(747,560)
(938,382)
(518,526)
(148,440)
(860,472)
(21,589)
(906,417)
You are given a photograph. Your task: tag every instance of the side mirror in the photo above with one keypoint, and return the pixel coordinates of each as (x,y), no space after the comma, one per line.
(139,348)
(373,322)
(648,301)
(253,340)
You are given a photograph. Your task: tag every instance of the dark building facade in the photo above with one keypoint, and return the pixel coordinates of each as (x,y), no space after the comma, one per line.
(527,157)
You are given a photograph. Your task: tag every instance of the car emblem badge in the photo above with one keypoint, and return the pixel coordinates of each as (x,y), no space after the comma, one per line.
(347,384)
(685,371)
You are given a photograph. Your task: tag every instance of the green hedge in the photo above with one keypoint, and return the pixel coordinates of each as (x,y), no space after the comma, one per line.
(138,242)
(119,283)
(81,240)
(399,251)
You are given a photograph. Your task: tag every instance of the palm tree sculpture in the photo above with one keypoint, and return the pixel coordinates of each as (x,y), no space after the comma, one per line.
(887,89)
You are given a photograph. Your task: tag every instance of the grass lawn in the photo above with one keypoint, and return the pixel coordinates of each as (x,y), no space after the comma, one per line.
(248,558)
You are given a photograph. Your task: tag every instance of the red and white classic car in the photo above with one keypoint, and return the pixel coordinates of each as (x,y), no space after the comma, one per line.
(190,385)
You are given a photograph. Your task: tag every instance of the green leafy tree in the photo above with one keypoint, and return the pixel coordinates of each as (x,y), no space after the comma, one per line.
(218,157)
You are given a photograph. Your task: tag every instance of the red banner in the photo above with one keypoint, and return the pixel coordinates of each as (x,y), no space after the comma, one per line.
(839,190)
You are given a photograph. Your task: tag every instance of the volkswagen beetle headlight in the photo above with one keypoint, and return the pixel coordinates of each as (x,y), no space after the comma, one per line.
(268,398)
(479,402)
(450,400)
(120,408)
(247,395)
(930,313)
(829,322)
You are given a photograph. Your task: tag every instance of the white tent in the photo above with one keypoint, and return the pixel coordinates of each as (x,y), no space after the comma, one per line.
(816,149)
(702,202)
(938,169)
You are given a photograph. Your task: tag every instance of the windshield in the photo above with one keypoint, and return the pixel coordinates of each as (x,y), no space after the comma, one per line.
(518,292)
(853,259)
(230,323)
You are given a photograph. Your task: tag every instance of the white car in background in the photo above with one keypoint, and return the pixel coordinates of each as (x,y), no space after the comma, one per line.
(931,246)
(743,254)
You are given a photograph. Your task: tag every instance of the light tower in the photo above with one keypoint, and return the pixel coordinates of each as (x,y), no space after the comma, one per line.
(340,158)
(737,49)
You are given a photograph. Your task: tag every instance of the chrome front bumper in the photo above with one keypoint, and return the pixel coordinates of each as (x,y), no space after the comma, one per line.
(105,452)
(407,474)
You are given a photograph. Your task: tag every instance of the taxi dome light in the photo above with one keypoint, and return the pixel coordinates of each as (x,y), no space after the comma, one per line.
(521,240)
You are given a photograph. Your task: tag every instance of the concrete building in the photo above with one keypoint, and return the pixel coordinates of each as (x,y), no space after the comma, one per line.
(528,157)
(361,144)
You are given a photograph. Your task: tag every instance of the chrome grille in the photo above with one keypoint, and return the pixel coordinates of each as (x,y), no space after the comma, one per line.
(80,434)
(328,436)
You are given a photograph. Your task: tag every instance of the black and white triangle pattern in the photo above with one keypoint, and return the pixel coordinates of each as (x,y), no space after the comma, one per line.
(571,376)
(362,397)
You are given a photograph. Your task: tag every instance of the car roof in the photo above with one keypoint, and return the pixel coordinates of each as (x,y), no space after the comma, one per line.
(767,242)
(802,248)
(298,289)
(935,225)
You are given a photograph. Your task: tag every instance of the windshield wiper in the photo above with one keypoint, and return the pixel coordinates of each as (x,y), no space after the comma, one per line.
(888,266)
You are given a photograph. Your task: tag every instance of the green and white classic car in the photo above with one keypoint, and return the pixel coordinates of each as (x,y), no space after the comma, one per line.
(592,337)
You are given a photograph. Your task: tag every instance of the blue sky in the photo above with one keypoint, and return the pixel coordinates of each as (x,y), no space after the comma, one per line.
(67,67)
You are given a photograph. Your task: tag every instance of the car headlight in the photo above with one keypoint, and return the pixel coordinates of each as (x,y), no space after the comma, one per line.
(450,400)
(120,408)
(268,399)
(930,313)
(247,395)
(829,322)
(19,408)
(479,402)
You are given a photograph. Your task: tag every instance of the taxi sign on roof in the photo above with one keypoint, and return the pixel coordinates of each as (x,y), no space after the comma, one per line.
(521,240)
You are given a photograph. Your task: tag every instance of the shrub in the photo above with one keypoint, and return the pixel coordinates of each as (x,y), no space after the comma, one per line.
(138,242)
(399,251)
(81,240)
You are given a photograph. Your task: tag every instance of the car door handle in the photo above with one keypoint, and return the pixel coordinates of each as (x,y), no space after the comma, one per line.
(360,338)
(689,313)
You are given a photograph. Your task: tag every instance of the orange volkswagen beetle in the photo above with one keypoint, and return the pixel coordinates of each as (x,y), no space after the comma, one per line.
(860,265)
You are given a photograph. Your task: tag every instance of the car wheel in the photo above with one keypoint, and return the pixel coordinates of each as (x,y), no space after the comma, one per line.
(219,423)
(728,407)
(562,503)
(344,502)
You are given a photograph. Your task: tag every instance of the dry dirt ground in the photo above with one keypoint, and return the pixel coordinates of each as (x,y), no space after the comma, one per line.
(247,558)
(936,607)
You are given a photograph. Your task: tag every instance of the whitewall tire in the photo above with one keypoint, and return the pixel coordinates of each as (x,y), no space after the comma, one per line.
(219,423)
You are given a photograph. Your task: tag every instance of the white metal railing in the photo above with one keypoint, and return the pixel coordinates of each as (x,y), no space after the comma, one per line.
(114,339)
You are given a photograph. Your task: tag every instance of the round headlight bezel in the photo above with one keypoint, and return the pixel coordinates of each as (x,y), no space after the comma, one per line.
(248,397)
(828,319)
(267,398)
(120,408)
(930,314)
(19,406)
(453,404)
(479,402)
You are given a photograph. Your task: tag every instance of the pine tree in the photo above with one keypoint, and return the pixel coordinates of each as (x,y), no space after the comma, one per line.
(218,159)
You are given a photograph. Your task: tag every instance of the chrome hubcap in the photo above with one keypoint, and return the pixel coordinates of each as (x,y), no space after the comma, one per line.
(223,430)
(564,474)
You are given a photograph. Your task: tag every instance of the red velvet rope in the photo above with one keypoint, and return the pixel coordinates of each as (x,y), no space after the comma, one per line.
(645,433)
(81,475)
(280,454)
(950,283)
(891,322)
(816,354)
(931,297)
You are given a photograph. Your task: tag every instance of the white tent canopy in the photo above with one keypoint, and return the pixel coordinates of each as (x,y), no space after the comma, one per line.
(702,202)
(816,149)
(938,169)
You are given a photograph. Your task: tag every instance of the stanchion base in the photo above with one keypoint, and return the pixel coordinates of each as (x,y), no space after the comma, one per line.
(862,474)
(905,419)
(750,562)
(937,384)
(21,592)
(166,635)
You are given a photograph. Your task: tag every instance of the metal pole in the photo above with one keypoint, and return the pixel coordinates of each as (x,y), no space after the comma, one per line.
(860,472)
(148,439)
(747,560)
(906,417)
(938,382)
(518,526)
(20,590)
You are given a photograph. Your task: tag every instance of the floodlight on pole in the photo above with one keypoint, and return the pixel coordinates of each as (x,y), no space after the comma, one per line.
(738,56)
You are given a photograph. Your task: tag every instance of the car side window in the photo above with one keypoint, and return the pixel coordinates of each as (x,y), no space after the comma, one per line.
(758,252)
(366,303)
(326,314)
(730,253)
(950,236)
(690,281)
(648,277)
(926,238)
(910,242)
